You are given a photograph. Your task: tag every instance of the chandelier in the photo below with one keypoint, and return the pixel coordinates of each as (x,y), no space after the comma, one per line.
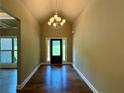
(56,21)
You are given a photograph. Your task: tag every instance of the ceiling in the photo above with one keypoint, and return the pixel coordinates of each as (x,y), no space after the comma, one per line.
(43,9)
(7,21)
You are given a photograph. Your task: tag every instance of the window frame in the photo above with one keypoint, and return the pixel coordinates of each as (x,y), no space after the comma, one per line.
(12,51)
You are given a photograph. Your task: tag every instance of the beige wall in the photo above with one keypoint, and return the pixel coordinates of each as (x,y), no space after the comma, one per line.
(99,45)
(0,3)
(29,34)
(46,32)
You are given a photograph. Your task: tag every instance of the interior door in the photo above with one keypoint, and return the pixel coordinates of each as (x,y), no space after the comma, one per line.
(56,51)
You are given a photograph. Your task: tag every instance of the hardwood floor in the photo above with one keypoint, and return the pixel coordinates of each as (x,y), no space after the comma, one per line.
(56,79)
(8,80)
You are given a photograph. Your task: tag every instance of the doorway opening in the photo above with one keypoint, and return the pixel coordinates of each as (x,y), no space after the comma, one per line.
(9,51)
(56,47)
(56,51)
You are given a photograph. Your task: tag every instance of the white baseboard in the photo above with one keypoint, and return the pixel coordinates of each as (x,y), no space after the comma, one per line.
(64,63)
(45,63)
(85,80)
(19,87)
(67,63)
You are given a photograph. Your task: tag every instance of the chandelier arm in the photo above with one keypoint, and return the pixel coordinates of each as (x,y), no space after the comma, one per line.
(56,21)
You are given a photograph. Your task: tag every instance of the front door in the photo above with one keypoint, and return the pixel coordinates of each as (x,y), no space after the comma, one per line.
(56,51)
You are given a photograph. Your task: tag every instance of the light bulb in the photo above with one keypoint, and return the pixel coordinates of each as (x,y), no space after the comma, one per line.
(54,24)
(61,23)
(59,19)
(52,19)
(63,20)
(49,23)
(55,16)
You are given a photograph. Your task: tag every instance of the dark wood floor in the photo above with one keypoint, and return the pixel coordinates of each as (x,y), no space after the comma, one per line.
(8,80)
(56,79)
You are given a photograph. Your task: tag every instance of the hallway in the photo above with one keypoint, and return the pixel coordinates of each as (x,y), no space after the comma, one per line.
(93,42)
(56,79)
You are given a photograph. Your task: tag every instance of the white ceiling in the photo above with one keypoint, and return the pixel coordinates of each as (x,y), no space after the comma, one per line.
(43,9)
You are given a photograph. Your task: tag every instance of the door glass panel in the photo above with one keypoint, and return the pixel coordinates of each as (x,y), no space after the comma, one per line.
(56,48)
(5,57)
(15,56)
(15,43)
(6,44)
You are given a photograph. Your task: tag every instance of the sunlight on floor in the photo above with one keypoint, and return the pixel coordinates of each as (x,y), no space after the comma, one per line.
(8,80)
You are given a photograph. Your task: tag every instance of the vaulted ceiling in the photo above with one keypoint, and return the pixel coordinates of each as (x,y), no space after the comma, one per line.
(43,9)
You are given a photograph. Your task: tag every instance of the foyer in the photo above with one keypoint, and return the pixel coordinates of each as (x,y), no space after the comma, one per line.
(90,46)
